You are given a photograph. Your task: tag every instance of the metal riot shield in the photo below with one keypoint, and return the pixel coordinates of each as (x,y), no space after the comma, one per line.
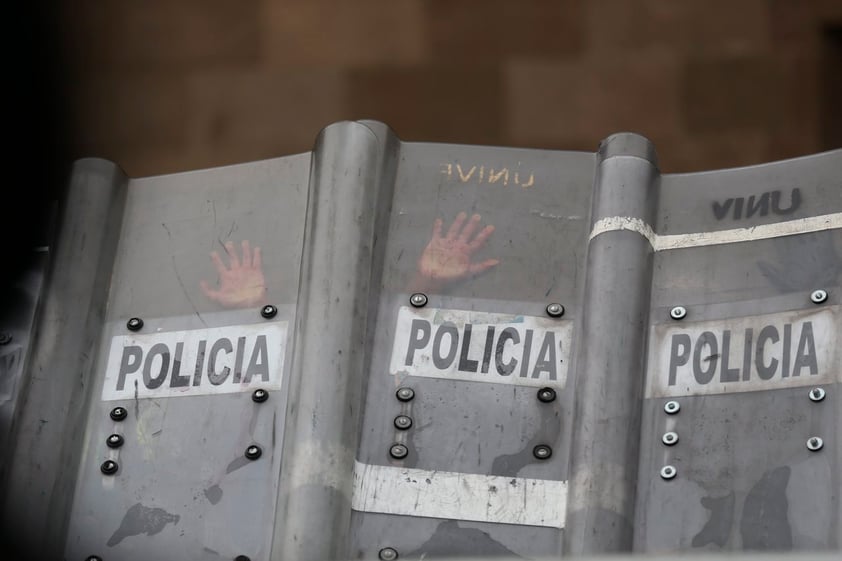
(385,349)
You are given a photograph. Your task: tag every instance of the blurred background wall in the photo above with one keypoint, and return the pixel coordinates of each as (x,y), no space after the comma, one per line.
(160,86)
(167,85)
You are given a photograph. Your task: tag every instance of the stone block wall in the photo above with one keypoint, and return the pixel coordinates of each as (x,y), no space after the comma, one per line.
(171,85)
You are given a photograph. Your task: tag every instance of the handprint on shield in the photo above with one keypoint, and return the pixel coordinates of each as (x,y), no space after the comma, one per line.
(448,258)
(241,282)
(445,259)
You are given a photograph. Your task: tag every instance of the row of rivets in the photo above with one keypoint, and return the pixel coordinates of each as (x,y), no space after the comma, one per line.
(403,422)
(259,395)
(118,414)
(814,443)
(419,300)
(816,297)
(671,407)
(545,395)
(136,324)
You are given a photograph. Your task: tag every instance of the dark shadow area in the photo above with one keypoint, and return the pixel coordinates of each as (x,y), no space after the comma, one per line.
(36,162)
(37,136)
(831,91)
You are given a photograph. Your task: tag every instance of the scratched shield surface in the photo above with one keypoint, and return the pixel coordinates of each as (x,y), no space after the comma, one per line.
(183,383)
(458,454)
(17,325)
(740,430)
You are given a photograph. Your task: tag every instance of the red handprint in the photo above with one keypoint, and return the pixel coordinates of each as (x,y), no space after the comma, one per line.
(448,258)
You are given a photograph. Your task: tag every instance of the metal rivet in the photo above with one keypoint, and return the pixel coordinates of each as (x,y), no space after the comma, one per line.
(268,311)
(555,310)
(669,438)
(668,472)
(546,395)
(109,467)
(815,443)
(118,413)
(402,422)
(253,452)
(678,312)
(93,558)
(818,296)
(672,407)
(388,554)
(405,394)
(418,300)
(134,324)
(817,394)
(259,396)
(114,441)
(5,338)
(398,451)
(542,451)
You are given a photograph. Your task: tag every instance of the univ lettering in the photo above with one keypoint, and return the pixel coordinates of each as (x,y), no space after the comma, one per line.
(489,175)
(756,205)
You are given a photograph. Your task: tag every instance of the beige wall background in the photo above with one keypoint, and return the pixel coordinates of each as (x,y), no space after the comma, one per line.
(169,85)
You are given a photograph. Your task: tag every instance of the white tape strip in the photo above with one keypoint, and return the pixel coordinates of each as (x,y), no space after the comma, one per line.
(614,223)
(459,496)
(680,241)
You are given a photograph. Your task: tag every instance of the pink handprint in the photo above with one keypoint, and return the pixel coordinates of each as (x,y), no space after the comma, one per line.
(447,258)
(241,283)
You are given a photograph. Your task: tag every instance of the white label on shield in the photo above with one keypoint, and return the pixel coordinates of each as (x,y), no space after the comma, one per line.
(459,496)
(764,352)
(481,347)
(195,362)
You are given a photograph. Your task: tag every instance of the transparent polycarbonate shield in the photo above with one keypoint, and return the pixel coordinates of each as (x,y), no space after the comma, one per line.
(174,224)
(773,206)
(388,350)
(467,417)
(187,410)
(740,432)
(739,440)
